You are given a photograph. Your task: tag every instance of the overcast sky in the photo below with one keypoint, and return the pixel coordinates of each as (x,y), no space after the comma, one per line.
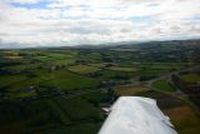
(29,23)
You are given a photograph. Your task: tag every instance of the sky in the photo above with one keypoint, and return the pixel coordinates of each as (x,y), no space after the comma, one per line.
(33,23)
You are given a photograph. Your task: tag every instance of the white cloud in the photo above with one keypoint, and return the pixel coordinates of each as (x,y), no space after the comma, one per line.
(23,1)
(70,22)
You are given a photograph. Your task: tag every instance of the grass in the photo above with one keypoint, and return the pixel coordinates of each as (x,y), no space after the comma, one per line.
(122,69)
(19,94)
(99,65)
(78,109)
(190,78)
(164,101)
(50,115)
(89,57)
(86,128)
(22,67)
(159,68)
(60,79)
(64,62)
(163,85)
(17,117)
(111,75)
(66,80)
(14,57)
(60,114)
(184,119)
(44,111)
(129,90)
(56,58)
(149,71)
(9,80)
(83,69)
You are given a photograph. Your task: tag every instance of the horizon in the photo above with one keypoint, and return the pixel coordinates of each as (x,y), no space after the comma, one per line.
(102,45)
(54,23)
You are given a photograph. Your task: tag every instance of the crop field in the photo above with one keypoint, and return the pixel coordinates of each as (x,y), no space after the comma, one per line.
(83,69)
(122,69)
(55,114)
(66,80)
(63,90)
(159,68)
(190,78)
(129,90)
(184,119)
(163,85)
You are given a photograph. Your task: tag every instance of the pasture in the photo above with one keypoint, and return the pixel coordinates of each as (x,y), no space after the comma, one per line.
(62,90)
(191,77)
(163,85)
(83,69)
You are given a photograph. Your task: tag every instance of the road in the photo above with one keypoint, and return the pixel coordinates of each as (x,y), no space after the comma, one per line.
(168,75)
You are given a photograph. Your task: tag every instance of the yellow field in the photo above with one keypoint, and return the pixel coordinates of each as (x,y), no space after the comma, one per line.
(129,90)
(83,69)
(185,119)
(123,69)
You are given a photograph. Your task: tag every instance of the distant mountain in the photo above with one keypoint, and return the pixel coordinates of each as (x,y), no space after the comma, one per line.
(123,44)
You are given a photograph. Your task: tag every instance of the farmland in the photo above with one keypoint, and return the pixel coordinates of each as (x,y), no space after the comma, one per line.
(62,90)
(83,69)
(163,85)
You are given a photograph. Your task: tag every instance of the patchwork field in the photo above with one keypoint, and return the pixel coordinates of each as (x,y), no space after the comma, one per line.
(185,120)
(190,78)
(54,115)
(163,85)
(122,69)
(83,69)
(63,90)
(65,80)
(129,90)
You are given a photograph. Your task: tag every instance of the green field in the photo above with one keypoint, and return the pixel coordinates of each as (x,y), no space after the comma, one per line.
(163,85)
(190,78)
(61,79)
(129,90)
(50,116)
(66,80)
(62,90)
(9,80)
(122,69)
(157,68)
(83,69)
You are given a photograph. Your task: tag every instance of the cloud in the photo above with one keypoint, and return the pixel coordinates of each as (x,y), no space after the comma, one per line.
(72,22)
(24,1)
